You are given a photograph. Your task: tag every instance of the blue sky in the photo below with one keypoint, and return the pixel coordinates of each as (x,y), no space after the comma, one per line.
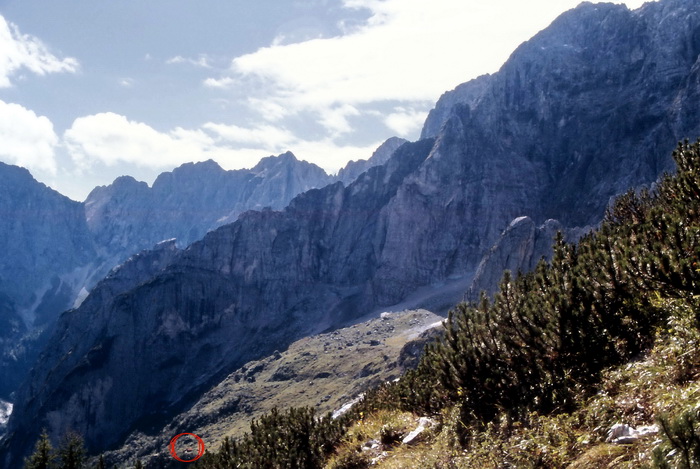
(94,89)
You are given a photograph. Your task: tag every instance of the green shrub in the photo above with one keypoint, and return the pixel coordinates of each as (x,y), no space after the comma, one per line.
(681,446)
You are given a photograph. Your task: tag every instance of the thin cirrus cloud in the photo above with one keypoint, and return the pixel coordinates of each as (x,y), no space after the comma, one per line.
(201,61)
(27,139)
(23,51)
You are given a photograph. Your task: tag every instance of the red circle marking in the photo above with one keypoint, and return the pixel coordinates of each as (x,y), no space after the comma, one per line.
(200,445)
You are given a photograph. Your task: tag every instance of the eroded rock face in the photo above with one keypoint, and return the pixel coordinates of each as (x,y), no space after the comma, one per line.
(42,236)
(46,248)
(56,250)
(138,350)
(519,249)
(591,106)
(588,108)
(185,204)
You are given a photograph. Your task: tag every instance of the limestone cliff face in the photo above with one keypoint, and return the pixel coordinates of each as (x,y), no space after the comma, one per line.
(519,249)
(42,236)
(46,248)
(185,204)
(601,86)
(588,108)
(56,250)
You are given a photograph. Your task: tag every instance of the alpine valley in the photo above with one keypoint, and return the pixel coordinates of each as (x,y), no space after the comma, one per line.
(113,329)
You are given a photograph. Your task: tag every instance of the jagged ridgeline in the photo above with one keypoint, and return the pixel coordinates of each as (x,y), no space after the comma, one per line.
(541,344)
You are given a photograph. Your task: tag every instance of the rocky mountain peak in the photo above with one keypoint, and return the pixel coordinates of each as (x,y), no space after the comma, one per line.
(380,156)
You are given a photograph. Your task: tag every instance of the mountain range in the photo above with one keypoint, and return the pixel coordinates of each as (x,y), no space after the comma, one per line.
(57,249)
(586,109)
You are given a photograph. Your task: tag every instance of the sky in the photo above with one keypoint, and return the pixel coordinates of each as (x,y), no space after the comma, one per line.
(94,89)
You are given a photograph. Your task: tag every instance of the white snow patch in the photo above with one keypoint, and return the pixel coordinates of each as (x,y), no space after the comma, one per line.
(347,406)
(82,294)
(516,221)
(5,412)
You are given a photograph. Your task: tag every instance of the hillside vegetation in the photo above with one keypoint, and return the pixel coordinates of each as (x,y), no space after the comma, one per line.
(609,332)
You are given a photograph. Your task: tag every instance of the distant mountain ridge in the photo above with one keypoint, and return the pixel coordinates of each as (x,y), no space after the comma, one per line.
(193,199)
(588,108)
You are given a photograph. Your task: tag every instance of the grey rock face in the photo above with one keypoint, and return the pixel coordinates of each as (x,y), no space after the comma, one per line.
(43,236)
(519,249)
(381,155)
(57,249)
(588,108)
(193,199)
(246,289)
(546,103)
(46,249)
(469,93)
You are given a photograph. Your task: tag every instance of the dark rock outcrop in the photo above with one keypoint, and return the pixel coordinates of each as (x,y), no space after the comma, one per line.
(521,246)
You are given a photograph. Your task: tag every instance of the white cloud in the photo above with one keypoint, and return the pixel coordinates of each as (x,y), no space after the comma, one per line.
(112,140)
(409,51)
(263,136)
(335,119)
(405,121)
(26,139)
(224,82)
(330,155)
(268,109)
(22,51)
(127,82)
(201,61)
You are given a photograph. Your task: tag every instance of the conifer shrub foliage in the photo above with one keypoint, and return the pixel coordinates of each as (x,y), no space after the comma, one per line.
(542,342)
(70,453)
(681,447)
(43,456)
(295,439)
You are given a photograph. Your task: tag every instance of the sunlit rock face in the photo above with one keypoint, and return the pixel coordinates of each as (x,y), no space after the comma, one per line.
(588,108)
